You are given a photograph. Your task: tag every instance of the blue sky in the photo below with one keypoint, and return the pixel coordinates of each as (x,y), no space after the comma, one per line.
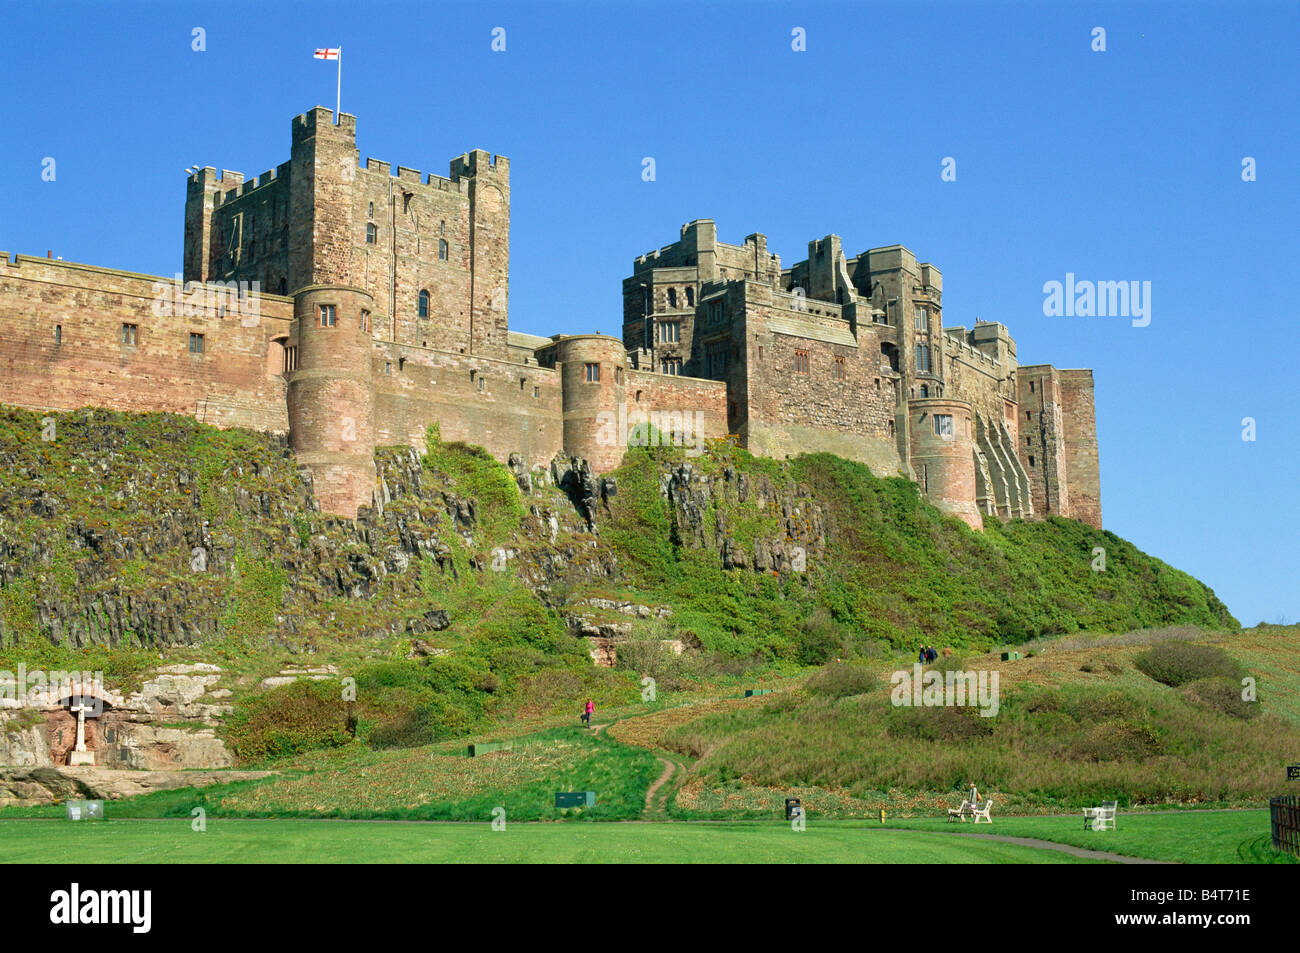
(1116,165)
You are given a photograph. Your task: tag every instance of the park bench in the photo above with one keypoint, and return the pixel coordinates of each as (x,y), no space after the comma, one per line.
(1099,818)
(982,810)
(960,813)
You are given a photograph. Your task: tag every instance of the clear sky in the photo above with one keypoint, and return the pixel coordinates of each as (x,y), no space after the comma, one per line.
(1117,165)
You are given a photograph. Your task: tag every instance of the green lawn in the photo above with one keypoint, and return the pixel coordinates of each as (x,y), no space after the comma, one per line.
(310,841)
(1185,837)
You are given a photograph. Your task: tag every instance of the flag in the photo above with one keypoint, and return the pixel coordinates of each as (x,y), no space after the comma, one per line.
(327,54)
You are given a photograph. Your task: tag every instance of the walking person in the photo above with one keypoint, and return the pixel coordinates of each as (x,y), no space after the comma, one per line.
(587,712)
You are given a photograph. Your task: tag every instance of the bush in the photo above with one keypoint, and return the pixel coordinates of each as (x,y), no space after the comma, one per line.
(822,639)
(1222,695)
(1177,663)
(947,725)
(302,716)
(841,679)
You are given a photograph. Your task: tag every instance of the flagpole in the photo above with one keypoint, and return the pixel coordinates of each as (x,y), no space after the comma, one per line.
(338,97)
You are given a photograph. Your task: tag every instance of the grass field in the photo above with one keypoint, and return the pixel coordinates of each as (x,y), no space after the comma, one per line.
(1200,837)
(364,842)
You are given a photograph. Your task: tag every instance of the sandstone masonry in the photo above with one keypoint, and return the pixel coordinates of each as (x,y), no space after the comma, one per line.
(351,308)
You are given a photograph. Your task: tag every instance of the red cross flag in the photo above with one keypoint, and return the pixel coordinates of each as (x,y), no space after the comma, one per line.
(334,54)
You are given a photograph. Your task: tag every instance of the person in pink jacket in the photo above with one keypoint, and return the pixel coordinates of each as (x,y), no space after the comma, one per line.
(588,712)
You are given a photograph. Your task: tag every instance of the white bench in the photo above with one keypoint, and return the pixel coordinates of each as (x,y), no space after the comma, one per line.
(1099,818)
(960,813)
(982,810)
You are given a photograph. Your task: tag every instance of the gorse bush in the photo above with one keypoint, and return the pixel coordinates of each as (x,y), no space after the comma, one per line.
(1221,694)
(286,720)
(1177,663)
(842,679)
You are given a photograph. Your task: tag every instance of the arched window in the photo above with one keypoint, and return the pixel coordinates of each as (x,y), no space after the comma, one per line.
(925,391)
(424,304)
(690,297)
(371,233)
(442,250)
(672,297)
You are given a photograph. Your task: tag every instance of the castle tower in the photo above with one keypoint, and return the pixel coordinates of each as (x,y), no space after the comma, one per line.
(592,377)
(489,240)
(943,457)
(331,395)
(323,173)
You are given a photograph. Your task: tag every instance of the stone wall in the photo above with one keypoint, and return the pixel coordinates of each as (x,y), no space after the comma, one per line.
(62,346)
(1082,465)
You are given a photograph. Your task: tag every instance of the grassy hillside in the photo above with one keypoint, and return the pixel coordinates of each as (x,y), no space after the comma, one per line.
(126,539)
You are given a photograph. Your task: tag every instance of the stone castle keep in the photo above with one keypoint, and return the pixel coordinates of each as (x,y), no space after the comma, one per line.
(383,310)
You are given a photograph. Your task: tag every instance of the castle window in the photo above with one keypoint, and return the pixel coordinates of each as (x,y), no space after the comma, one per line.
(891,428)
(537,392)
(328,316)
(401,364)
(943,426)
(717,363)
(618,375)
(922,359)
(284,286)
(671,365)
(1031,460)
(442,250)
(801,362)
(717,311)
(1031,387)
(670,332)
(920,319)
(690,297)
(442,227)
(839,369)
(388,367)
(1028,416)
(365,320)
(290,359)
(130,334)
(370,210)
(406,202)
(372,233)
(672,297)
(422,308)
(925,391)
(593,373)
(58,334)
(196,343)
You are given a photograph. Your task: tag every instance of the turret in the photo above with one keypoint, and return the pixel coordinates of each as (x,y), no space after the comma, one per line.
(331,395)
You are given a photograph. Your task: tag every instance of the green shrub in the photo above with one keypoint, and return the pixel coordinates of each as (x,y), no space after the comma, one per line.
(301,716)
(1222,695)
(842,679)
(1177,663)
(945,724)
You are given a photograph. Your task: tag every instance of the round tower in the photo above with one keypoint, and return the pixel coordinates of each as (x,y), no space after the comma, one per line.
(593,374)
(331,395)
(943,458)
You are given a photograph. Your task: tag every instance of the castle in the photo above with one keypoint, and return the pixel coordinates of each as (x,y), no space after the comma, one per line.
(350,307)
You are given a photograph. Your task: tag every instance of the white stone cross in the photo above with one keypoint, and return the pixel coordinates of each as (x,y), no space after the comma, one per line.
(80,711)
